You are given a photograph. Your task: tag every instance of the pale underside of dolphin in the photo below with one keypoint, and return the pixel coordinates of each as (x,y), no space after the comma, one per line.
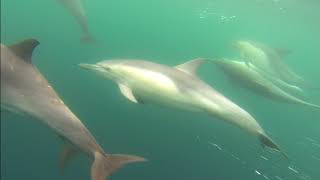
(247,76)
(269,60)
(75,7)
(25,90)
(179,87)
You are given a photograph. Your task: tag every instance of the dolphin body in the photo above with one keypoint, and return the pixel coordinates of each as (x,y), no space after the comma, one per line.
(269,60)
(179,87)
(247,76)
(75,7)
(25,90)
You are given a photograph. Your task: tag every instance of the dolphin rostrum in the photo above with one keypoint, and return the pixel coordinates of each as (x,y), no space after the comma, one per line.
(147,82)
(268,60)
(247,76)
(76,9)
(25,90)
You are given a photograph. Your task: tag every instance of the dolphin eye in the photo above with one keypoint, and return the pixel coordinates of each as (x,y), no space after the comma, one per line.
(107,68)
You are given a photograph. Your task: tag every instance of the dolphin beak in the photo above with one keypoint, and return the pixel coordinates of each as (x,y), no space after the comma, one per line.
(88,66)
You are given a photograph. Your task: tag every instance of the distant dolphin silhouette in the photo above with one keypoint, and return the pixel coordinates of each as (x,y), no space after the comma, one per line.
(147,82)
(247,76)
(25,90)
(268,60)
(76,9)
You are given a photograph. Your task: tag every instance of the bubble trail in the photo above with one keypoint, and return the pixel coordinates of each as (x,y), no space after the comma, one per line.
(264,158)
(257,172)
(278,177)
(310,139)
(293,170)
(266,177)
(316,144)
(215,145)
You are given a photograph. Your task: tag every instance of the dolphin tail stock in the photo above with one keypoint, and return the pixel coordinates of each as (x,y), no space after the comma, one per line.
(105,164)
(268,142)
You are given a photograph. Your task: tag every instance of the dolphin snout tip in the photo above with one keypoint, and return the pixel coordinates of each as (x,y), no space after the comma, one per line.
(87,66)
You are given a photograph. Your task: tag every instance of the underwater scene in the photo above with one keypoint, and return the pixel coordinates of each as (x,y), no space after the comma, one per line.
(160,90)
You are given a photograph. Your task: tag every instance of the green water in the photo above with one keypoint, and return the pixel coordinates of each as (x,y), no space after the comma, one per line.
(178,144)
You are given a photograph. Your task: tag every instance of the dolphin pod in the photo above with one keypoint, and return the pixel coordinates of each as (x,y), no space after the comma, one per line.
(26,91)
(177,87)
(248,76)
(76,9)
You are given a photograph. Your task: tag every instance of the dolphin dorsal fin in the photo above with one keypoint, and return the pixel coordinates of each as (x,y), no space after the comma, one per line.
(24,49)
(127,92)
(191,66)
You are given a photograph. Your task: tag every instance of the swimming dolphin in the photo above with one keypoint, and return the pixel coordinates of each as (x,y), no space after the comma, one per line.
(179,87)
(247,76)
(268,60)
(75,7)
(25,90)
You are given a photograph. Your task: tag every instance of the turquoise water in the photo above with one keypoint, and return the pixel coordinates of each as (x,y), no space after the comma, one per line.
(178,144)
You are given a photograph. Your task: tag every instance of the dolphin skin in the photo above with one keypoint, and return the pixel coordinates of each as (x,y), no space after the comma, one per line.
(179,87)
(247,76)
(268,60)
(25,90)
(76,9)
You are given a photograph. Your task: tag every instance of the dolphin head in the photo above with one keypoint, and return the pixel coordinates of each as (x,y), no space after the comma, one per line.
(242,45)
(250,51)
(110,69)
(225,64)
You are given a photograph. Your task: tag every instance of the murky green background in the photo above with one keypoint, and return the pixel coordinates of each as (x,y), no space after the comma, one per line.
(180,145)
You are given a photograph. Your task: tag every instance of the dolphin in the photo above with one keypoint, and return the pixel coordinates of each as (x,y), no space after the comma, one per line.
(75,7)
(24,90)
(247,76)
(143,81)
(268,60)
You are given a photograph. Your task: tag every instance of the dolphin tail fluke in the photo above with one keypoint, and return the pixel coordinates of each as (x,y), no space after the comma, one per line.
(87,38)
(268,142)
(104,165)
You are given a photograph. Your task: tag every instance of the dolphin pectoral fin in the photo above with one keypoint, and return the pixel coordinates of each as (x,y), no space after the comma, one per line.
(268,142)
(127,92)
(104,165)
(68,152)
(191,66)
(24,49)
(247,63)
